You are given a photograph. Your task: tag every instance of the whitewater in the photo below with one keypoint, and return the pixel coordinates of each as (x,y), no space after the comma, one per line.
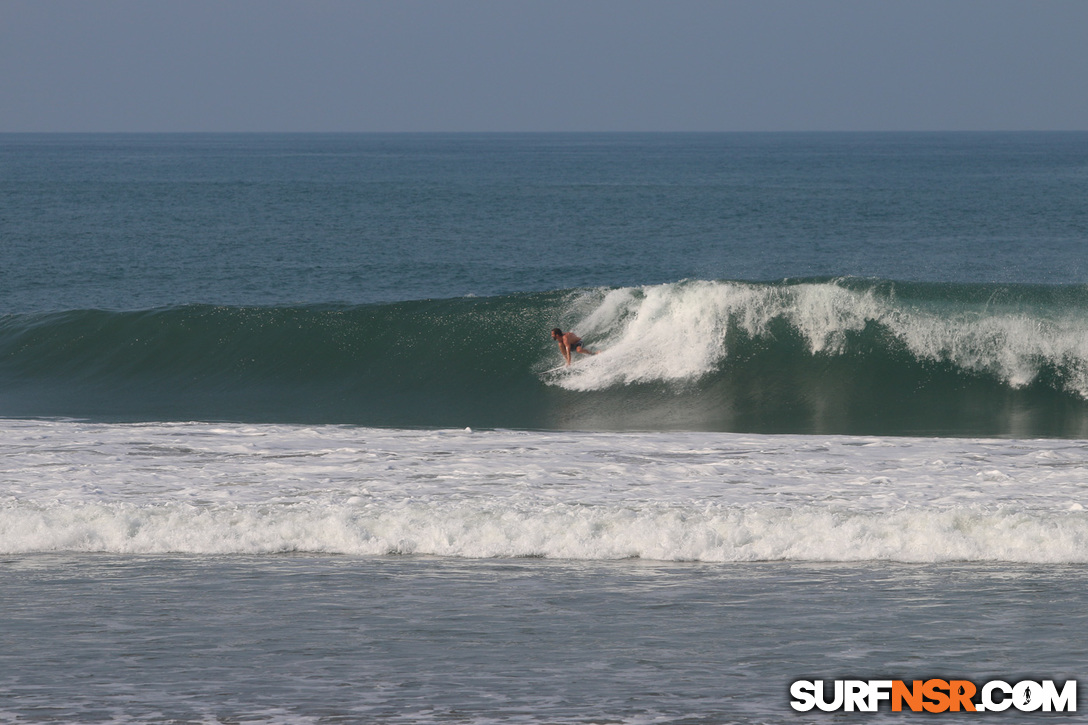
(680,332)
(202,488)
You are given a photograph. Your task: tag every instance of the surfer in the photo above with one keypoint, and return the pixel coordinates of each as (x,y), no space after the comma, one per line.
(569,342)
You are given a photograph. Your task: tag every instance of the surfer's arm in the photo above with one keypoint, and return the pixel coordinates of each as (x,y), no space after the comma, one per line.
(565,349)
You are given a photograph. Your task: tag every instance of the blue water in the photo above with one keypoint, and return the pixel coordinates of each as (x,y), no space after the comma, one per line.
(284,441)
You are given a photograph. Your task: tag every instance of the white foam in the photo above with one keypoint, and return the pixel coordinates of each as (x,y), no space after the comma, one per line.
(210,489)
(476,529)
(677,331)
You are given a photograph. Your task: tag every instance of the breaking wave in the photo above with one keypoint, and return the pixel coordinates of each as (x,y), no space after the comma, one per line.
(817,356)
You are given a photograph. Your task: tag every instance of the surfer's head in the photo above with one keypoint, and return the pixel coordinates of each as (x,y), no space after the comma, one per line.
(556,333)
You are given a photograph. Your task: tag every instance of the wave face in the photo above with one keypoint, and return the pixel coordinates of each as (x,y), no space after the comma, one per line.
(811,356)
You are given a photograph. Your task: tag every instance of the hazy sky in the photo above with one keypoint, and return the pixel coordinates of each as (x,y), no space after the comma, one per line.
(535,65)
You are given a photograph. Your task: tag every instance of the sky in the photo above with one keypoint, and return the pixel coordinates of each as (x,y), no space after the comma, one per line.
(536,65)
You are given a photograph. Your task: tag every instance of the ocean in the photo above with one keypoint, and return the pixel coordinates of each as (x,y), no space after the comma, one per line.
(284,437)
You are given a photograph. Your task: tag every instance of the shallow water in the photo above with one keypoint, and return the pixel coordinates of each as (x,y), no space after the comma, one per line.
(414,639)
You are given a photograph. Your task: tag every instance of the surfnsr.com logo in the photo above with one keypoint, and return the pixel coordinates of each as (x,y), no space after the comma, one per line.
(934,695)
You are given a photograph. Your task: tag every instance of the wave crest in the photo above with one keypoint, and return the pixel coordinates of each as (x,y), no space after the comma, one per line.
(685,331)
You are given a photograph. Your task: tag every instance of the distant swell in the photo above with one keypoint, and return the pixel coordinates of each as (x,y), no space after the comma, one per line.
(811,356)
